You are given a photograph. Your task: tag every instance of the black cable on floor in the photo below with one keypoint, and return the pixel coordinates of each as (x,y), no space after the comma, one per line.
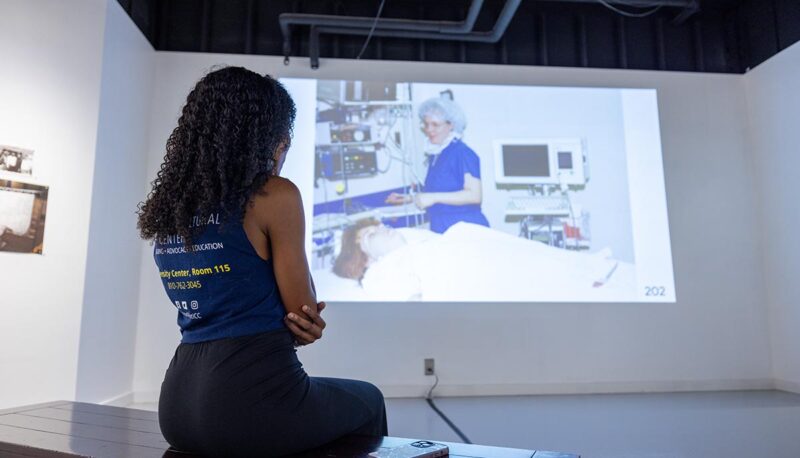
(452,425)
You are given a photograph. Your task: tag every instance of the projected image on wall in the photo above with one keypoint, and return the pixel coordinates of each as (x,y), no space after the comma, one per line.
(452,192)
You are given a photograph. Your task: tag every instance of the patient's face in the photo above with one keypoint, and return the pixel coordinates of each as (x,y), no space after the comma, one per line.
(376,241)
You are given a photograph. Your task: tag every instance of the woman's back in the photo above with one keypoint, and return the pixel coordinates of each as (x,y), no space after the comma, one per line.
(230,249)
(221,287)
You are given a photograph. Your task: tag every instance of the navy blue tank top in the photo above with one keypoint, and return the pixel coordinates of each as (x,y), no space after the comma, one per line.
(223,288)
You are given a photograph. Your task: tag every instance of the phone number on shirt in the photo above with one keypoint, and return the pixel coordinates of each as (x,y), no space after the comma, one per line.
(184,285)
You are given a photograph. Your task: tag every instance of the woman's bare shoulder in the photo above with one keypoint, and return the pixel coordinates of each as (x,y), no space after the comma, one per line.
(279,198)
(279,187)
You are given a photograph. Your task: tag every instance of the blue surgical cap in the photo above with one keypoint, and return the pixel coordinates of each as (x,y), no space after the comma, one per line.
(446,109)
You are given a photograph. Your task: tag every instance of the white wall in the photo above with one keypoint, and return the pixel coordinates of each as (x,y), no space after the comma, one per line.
(714,337)
(111,296)
(773,99)
(66,96)
(49,97)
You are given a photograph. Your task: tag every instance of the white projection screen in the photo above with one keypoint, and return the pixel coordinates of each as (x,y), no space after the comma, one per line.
(481,193)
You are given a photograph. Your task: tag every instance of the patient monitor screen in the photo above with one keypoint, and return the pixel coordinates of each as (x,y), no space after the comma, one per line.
(444,192)
(525,161)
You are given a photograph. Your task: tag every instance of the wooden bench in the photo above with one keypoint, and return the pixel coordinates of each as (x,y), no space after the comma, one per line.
(69,429)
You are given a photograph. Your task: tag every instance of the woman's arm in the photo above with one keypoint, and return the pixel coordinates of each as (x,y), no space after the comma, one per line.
(471,194)
(398,199)
(283,222)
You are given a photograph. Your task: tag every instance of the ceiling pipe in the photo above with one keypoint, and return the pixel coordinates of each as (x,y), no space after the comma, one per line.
(286,20)
(637,3)
(428,31)
(688,10)
(492,36)
(689,7)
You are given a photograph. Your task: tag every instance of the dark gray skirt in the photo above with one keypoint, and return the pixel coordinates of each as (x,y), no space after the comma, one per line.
(249,396)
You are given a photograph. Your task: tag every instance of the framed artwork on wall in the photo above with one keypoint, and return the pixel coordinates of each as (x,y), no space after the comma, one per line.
(23,208)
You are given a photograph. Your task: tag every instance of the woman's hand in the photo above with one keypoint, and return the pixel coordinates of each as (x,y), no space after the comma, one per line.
(306,332)
(398,199)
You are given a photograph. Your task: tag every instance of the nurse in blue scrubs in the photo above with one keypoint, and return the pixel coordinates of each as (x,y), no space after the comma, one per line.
(452,191)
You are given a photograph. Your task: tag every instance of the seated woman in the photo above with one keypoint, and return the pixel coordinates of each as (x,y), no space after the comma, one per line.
(469,262)
(228,234)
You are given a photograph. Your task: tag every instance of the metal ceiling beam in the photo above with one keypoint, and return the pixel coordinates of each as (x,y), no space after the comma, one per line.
(725,36)
(287,20)
(492,36)
(433,30)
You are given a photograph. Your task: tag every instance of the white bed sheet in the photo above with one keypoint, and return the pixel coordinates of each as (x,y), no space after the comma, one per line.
(471,263)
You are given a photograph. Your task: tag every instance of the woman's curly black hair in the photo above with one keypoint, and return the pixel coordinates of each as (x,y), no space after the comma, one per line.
(224,149)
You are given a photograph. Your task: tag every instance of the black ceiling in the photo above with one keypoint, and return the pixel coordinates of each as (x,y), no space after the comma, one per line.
(726,36)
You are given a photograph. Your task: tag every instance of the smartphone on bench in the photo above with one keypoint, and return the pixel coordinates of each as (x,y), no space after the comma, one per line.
(418,449)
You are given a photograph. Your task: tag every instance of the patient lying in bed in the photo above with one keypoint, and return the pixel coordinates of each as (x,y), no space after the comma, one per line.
(467,263)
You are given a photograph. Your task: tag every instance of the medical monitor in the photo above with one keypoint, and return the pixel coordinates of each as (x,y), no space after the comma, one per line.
(526,161)
(363,92)
(539,162)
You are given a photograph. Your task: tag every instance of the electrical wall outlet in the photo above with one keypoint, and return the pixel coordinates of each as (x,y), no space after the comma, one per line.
(429,366)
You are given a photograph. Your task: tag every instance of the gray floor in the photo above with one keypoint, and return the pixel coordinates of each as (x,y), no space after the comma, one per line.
(735,424)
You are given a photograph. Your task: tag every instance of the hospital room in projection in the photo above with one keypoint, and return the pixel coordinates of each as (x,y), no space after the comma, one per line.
(454,192)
